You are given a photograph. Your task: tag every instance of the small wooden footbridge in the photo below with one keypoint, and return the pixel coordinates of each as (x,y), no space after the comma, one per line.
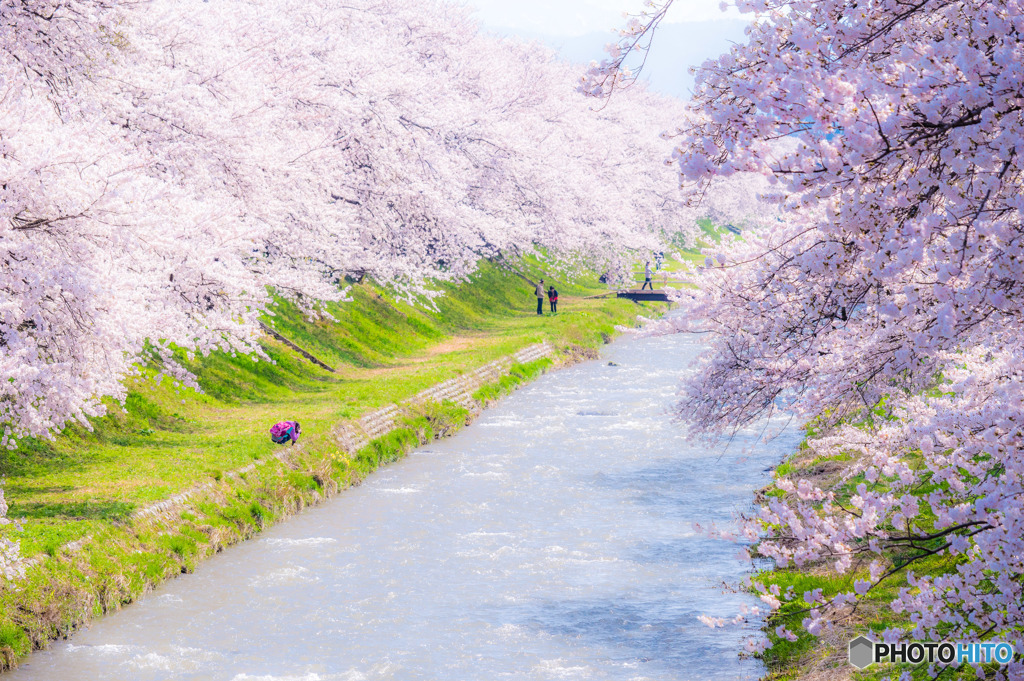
(636,294)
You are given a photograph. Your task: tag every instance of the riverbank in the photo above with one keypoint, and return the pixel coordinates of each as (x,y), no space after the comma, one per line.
(808,657)
(90,534)
(825,656)
(550,539)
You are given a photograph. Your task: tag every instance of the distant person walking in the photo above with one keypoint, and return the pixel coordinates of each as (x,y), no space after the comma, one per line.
(647,277)
(540,297)
(285,431)
(553,299)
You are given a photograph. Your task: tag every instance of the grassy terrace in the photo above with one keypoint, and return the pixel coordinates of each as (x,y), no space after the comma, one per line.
(87,484)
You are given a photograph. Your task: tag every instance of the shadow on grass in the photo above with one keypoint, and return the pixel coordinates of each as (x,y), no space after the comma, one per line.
(14,489)
(80,510)
(36,459)
(77,449)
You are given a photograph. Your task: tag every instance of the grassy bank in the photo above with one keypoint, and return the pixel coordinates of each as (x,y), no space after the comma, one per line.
(91,551)
(826,657)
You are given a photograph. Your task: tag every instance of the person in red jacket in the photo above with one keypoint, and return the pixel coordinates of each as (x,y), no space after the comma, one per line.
(553,299)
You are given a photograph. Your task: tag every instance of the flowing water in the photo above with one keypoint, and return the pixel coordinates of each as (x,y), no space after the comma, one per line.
(552,539)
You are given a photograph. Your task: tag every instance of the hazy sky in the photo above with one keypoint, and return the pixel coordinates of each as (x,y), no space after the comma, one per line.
(572,18)
(694,30)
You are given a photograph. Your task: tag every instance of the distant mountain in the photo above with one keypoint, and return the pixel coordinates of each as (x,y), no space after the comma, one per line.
(676,48)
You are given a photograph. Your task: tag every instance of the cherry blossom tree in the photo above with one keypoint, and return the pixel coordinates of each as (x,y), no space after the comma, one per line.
(169,166)
(887,304)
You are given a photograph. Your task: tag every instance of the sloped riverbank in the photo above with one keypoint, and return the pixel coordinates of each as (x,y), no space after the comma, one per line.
(153,491)
(553,538)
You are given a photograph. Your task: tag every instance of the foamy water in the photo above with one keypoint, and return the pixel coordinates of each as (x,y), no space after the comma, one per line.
(553,539)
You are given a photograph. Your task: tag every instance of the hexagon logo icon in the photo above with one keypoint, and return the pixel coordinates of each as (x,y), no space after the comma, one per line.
(862,652)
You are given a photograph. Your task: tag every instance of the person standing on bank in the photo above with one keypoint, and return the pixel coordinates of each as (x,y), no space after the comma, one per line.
(647,276)
(553,299)
(540,297)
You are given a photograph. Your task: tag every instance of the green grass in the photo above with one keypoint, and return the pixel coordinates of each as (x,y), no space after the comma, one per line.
(383,350)
(87,482)
(790,659)
(517,375)
(874,613)
(689,252)
(417,424)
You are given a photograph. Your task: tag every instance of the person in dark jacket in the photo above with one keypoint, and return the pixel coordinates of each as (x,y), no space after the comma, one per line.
(553,299)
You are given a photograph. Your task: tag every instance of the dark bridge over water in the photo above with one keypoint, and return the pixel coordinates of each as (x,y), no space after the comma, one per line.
(647,294)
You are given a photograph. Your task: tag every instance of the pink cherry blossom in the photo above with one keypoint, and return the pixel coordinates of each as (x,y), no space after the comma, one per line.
(167,164)
(887,301)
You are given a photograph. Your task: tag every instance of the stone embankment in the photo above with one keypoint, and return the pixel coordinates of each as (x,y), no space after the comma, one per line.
(102,571)
(354,436)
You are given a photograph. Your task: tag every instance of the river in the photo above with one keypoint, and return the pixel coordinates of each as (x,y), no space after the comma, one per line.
(552,539)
